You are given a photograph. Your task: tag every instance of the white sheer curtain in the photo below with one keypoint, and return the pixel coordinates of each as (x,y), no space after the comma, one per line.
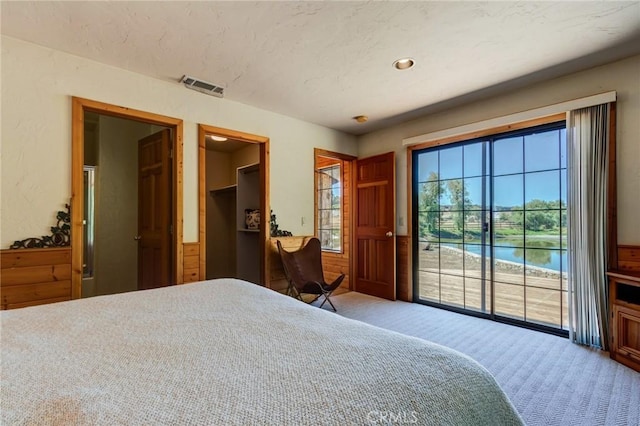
(587,162)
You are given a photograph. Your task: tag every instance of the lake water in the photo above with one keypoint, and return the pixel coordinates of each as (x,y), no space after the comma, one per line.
(540,257)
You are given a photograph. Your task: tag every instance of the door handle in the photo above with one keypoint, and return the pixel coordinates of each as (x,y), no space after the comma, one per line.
(389,234)
(137,237)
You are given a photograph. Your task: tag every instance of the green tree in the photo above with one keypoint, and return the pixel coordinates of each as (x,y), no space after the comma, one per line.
(538,217)
(459,196)
(429,205)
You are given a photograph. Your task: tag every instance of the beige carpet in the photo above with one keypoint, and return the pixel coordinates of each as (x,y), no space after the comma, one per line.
(549,380)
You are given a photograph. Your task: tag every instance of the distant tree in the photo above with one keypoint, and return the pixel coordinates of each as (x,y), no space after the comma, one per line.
(429,205)
(459,196)
(538,216)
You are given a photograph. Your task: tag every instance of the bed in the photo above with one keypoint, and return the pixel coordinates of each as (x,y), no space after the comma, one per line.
(227,352)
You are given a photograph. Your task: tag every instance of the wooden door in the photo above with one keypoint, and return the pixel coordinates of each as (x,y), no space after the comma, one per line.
(375,214)
(154,210)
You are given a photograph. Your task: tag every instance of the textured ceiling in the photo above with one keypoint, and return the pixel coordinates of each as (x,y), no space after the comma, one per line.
(325,62)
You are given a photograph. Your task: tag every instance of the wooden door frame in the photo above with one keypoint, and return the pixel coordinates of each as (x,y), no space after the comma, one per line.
(351,160)
(265,234)
(78,108)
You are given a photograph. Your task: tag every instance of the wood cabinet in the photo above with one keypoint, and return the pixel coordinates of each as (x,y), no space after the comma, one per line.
(624,296)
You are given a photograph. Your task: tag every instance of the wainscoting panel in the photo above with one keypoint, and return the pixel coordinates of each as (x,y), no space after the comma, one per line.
(30,277)
(629,258)
(402,268)
(334,264)
(191,263)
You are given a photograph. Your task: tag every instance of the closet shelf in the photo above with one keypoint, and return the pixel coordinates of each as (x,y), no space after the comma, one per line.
(223,190)
(250,168)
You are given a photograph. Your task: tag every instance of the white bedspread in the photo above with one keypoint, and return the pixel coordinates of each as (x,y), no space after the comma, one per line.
(226,352)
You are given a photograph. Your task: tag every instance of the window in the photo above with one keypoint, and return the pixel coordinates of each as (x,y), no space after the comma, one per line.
(329,203)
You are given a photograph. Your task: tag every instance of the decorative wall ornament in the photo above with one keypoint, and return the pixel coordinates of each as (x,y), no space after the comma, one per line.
(275,232)
(60,234)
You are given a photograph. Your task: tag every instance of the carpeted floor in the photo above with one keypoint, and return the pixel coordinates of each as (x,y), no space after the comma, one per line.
(549,380)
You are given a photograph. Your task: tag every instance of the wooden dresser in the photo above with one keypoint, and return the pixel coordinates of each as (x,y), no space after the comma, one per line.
(624,300)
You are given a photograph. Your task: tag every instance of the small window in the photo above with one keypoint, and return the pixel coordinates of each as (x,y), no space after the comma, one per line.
(329,198)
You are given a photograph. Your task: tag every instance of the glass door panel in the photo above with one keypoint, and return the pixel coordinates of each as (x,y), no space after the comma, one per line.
(490,220)
(452,225)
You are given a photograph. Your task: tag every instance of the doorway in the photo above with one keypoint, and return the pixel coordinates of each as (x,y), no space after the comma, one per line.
(490,221)
(114,251)
(234,200)
(81,107)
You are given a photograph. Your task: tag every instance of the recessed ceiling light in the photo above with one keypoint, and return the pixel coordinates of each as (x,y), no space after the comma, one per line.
(218,138)
(361,118)
(403,64)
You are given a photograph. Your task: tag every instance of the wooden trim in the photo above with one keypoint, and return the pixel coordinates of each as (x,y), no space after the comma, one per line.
(352,221)
(628,258)
(78,108)
(35,274)
(612,196)
(265,202)
(34,257)
(127,113)
(191,263)
(403,285)
(332,154)
(178,200)
(202,200)
(35,303)
(409,222)
(77,195)
(347,161)
(490,132)
(265,206)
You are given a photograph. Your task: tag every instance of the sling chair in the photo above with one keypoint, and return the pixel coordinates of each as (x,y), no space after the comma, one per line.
(303,270)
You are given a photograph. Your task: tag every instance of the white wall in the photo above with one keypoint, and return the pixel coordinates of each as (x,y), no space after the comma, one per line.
(37,85)
(622,76)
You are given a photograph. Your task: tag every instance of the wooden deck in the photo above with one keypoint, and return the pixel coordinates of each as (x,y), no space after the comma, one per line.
(535,299)
(453,277)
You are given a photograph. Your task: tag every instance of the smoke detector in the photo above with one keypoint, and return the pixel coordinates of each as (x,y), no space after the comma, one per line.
(202,86)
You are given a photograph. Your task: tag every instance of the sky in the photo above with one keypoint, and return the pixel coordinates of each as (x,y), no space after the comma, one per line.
(524,168)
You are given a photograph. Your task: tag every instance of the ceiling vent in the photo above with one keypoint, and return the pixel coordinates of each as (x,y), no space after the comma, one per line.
(202,86)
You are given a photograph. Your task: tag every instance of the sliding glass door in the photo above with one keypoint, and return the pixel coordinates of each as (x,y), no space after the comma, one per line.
(452,217)
(490,221)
